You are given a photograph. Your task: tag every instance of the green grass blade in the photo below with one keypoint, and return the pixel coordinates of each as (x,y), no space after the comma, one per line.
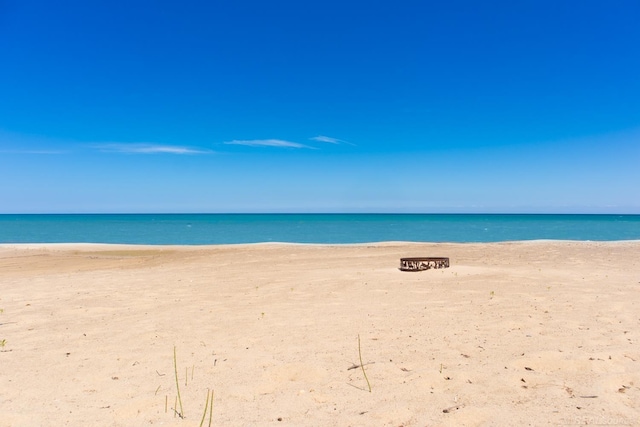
(206,406)
(362,364)
(175,368)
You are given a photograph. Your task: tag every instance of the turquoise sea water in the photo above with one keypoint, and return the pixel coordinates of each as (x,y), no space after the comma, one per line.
(201,229)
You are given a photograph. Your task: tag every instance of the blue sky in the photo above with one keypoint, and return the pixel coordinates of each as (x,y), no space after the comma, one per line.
(319,106)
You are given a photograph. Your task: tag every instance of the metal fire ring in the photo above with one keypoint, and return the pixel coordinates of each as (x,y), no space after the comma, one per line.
(426,263)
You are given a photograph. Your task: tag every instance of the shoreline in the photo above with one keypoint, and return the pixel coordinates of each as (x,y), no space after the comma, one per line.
(64,245)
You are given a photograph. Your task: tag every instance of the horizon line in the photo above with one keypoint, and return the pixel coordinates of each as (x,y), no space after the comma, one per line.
(320,213)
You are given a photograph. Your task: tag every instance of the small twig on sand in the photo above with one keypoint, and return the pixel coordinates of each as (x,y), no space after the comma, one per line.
(452,408)
(355,366)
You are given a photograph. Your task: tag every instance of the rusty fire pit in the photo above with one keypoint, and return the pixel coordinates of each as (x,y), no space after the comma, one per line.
(420,264)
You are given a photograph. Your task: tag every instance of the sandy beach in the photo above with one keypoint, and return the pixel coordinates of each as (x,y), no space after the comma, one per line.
(531,333)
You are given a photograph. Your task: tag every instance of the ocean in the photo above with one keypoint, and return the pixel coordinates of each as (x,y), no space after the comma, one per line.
(207,229)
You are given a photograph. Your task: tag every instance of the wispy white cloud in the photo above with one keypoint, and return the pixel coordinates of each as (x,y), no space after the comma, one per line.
(267,143)
(139,148)
(321,138)
(330,140)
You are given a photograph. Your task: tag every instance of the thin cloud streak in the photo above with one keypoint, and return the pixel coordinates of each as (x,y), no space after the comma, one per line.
(267,143)
(149,149)
(330,140)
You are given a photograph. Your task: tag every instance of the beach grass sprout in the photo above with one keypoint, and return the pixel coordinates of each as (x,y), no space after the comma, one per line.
(209,406)
(178,409)
(206,406)
(175,369)
(362,364)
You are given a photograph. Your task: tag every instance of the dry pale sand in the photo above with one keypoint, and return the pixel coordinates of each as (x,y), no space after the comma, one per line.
(536,333)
